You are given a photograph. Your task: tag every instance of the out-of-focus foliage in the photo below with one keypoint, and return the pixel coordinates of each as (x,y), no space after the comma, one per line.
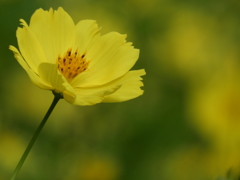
(186,125)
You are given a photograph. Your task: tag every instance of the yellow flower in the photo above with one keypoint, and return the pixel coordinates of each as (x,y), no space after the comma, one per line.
(76,61)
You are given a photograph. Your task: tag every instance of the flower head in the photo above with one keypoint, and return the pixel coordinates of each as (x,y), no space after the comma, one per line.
(76,61)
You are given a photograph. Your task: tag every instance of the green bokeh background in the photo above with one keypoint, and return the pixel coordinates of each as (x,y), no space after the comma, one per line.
(182,44)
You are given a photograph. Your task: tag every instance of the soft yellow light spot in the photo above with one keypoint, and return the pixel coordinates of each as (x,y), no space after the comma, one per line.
(72,64)
(230,107)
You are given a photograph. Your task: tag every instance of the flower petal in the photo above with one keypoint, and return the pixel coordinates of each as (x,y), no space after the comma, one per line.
(83,100)
(32,75)
(50,74)
(130,88)
(86,31)
(90,96)
(55,30)
(122,89)
(30,47)
(110,58)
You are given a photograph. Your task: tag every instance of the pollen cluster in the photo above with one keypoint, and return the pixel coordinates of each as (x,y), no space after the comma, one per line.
(72,64)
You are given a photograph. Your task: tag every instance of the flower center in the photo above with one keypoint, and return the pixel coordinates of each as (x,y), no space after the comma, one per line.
(72,64)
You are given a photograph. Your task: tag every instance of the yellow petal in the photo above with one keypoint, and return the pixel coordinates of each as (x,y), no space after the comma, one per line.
(130,88)
(83,100)
(55,30)
(110,58)
(32,75)
(86,31)
(91,96)
(50,74)
(30,47)
(122,89)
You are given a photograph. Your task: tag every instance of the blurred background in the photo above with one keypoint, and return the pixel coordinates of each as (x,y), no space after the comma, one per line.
(186,125)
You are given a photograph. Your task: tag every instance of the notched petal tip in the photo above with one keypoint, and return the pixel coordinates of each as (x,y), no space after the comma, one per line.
(17,54)
(117,36)
(142,72)
(51,10)
(39,10)
(124,36)
(15,51)
(23,23)
(59,9)
(12,48)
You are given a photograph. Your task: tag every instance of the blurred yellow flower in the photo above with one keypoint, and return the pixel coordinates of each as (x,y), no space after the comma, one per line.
(214,107)
(214,110)
(198,163)
(95,168)
(76,61)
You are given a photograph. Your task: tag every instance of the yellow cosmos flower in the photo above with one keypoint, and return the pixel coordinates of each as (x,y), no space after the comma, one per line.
(76,61)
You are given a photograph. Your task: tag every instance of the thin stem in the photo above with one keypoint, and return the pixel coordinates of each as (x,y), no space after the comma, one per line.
(57,97)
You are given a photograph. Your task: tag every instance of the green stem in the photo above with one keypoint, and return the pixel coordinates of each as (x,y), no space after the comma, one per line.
(57,97)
